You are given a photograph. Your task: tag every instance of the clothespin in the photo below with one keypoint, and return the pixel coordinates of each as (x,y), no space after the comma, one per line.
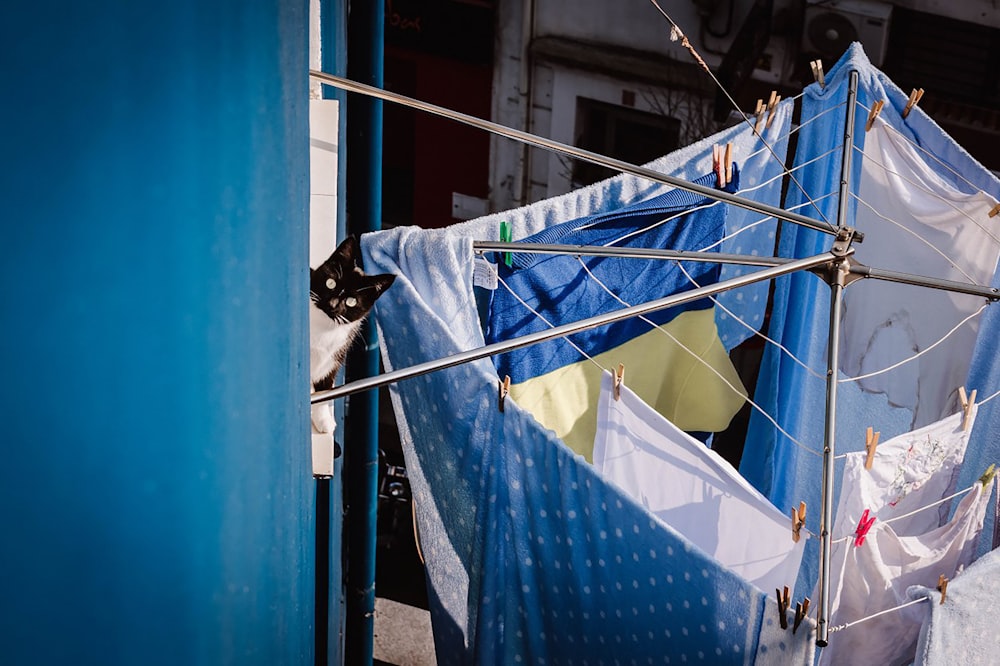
(942,587)
(772,104)
(759,124)
(506,236)
(798,520)
(619,379)
(995,210)
(967,403)
(817,69)
(861,531)
(873,114)
(729,162)
(784,603)
(503,391)
(871,441)
(801,610)
(913,101)
(988,475)
(720,174)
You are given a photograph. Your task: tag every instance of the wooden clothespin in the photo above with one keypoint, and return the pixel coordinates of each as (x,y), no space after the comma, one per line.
(801,611)
(717,167)
(913,101)
(772,104)
(619,380)
(967,403)
(871,441)
(873,114)
(729,162)
(760,113)
(817,70)
(995,210)
(942,587)
(784,603)
(502,392)
(798,520)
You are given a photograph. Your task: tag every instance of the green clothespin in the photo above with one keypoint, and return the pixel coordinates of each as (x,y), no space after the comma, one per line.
(506,236)
(991,471)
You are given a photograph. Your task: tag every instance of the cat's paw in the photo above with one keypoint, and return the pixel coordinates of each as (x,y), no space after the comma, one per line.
(322,418)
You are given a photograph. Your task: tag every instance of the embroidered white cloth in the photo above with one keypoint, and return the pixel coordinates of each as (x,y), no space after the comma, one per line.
(910,471)
(875,576)
(694,490)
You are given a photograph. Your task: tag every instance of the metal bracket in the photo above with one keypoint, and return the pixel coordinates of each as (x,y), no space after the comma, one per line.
(837,270)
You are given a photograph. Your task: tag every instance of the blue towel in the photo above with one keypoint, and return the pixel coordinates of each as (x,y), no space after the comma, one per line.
(530,556)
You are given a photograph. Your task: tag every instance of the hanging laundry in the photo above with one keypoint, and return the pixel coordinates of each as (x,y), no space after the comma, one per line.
(873,577)
(908,472)
(530,555)
(961,630)
(693,490)
(915,221)
(556,380)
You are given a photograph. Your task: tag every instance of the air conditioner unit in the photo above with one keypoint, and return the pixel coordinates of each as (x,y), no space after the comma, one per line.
(830,27)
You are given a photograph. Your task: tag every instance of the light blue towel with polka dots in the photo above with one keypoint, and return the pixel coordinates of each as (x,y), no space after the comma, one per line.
(530,556)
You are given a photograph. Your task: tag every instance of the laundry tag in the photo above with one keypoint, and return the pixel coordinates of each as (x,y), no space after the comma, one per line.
(484,274)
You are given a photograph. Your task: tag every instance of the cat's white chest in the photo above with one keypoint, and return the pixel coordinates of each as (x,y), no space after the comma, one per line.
(326,339)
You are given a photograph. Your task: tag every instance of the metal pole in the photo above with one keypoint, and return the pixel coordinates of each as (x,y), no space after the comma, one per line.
(628,253)
(990,293)
(578,153)
(567,329)
(837,279)
(366,29)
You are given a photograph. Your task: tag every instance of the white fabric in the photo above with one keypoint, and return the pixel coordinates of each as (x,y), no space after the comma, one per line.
(885,322)
(875,576)
(909,472)
(694,490)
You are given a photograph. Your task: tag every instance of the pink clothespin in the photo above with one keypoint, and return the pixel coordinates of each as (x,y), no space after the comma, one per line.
(861,532)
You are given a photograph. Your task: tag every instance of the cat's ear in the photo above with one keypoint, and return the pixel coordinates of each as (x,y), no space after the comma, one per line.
(347,250)
(381,282)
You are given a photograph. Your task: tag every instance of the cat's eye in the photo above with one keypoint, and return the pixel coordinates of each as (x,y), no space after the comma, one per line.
(351,301)
(330,283)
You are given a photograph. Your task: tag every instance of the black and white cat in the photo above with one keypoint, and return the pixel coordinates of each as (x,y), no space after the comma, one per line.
(340,295)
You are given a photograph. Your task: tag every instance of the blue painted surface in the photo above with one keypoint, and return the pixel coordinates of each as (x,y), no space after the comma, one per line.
(156,502)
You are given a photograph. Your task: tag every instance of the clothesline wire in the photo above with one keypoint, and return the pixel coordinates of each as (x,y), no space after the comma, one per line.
(918,510)
(916,235)
(919,353)
(842,627)
(985,400)
(932,156)
(698,358)
(701,62)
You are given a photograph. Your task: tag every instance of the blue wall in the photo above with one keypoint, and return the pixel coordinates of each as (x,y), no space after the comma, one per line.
(156,502)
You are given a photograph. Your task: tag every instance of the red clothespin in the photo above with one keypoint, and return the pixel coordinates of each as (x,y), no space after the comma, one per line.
(801,611)
(798,520)
(913,100)
(871,441)
(784,602)
(619,380)
(967,403)
(873,114)
(502,391)
(861,531)
(942,587)
(771,106)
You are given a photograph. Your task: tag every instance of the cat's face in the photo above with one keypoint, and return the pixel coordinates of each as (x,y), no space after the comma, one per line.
(341,289)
